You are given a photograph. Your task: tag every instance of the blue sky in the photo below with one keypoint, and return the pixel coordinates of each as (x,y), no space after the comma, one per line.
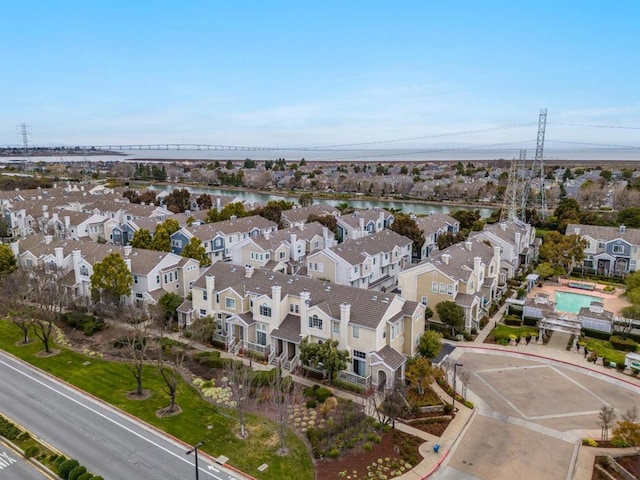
(301,73)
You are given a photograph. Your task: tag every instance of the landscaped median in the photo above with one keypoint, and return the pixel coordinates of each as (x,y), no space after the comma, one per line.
(199,420)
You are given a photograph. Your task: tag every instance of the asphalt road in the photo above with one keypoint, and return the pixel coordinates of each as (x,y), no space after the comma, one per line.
(13,465)
(102,439)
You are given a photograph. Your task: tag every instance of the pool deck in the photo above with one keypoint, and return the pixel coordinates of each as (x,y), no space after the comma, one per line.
(612,301)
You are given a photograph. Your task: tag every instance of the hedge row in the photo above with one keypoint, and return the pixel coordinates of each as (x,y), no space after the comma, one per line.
(89,324)
(588,332)
(627,345)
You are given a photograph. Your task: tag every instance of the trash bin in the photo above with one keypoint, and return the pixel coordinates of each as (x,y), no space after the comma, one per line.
(436,447)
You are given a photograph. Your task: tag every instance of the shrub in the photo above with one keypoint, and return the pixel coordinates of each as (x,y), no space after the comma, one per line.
(59,461)
(263,378)
(530,321)
(31,451)
(618,442)
(589,442)
(627,345)
(322,394)
(76,472)
(311,404)
(98,477)
(23,437)
(333,453)
(348,386)
(8,430)
(66,467)
(367,447)
(484,321)
(588,332)
(512,320)
(86,476)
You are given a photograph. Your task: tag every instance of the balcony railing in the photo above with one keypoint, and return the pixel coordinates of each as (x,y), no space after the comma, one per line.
(257,348)
(355,379)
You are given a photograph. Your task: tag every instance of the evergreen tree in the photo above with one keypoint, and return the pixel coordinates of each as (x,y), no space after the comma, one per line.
(111,278)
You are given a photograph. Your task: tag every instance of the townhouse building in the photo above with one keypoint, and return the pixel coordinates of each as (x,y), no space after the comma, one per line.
(361,223)
(153,273)
(464,273)
(371,262)
(298,216)
(610,251)
(283,251)
(271,313)
(432,226)
(218,238)
(518,245)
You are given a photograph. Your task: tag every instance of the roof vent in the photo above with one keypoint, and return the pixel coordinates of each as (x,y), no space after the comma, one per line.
(374,298)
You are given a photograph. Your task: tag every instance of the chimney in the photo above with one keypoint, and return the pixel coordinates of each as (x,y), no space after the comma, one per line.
(477,262)
(128,262)
(325,237)
(468,245)
(15,248)
(55,217)
(267,234)
(496,254)
(623,229)
(361,222)
(276,299)
(67,221)
(294,247)
(45,214)
(210,283)
(518,239)
(445,258)
(345,317)
(82,188)
(503,226)
(48,239)
(127,250)
(59,255)
(248,271)
(305,300)
(76,258)
(576,230)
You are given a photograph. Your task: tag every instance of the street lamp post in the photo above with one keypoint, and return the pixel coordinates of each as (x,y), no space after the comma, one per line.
(194,450)
(455,372)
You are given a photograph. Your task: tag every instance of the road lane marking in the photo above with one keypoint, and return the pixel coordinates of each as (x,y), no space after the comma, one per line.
(68,397)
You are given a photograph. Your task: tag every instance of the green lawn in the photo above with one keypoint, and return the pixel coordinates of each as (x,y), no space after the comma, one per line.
(504,331)
(604,349)
(111,380)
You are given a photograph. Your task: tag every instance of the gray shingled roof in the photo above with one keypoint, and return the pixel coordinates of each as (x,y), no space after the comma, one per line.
(606,234)
(355,251)
(367,307)
(289,329)
(392,358)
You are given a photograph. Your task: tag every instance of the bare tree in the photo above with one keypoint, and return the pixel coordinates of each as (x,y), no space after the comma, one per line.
(47,298)
(23,318)
(283,395)
(465,379)
(134,339)
(606,416)
(170,371)
(239,376)
(622,327)
(170,359)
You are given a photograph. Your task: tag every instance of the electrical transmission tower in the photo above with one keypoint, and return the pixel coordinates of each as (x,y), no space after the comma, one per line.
(537,171)
(514,189)
(25,137)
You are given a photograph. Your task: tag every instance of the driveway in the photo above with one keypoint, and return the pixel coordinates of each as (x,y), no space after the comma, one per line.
(532,414)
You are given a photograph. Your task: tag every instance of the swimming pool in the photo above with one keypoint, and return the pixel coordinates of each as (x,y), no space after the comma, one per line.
(573,302)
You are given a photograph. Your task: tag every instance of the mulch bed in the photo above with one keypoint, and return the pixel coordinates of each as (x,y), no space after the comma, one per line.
(358,460)
(434,426)
(631,463)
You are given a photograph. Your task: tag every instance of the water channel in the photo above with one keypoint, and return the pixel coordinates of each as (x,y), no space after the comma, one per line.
(418,208)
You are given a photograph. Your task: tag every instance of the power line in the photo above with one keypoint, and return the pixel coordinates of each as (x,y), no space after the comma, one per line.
(422,152)
(595,126)
(609,145)
(438,135)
